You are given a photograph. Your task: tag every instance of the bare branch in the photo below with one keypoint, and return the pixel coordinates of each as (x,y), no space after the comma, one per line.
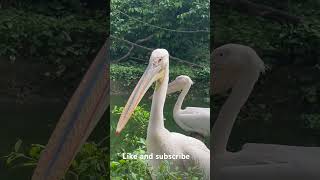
(145,39)
(162,28)
(132,47)
(131,43)
(125,56)
(151,49)
(252,8)
(138,59)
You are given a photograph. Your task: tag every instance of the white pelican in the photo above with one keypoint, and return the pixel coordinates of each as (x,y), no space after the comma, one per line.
(237,67)
(190,119)
(159,139)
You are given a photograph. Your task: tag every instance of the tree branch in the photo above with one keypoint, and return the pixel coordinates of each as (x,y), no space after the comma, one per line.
(264,11)
(151,49)
(125,56)
(162,28)
(132,47)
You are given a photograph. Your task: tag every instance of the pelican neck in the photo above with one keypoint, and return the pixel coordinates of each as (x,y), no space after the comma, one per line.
(159,96)
(184,92)
(230,109)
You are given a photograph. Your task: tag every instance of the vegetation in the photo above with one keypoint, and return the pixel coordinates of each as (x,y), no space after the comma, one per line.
(133,141)
(180,26)
(289,41)
(52,35)
(130,73)
(92,162)
(166,22)
(312,121)
(45,48)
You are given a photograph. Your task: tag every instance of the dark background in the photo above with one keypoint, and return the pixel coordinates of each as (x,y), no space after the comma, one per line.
(45,49)
(284,106)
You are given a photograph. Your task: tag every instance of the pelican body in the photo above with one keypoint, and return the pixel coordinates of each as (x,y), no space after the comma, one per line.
(238,67)
(159,139)
(190,119)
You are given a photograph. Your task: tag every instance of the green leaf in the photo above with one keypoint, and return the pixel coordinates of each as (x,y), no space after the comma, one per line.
(17,145)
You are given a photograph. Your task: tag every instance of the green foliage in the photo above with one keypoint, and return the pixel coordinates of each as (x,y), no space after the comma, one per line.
(299,40)
(18,158)
(91,162)
(311,121)
(290,40)
(29,34)
(133,20)
(139,169)
(126,72)
(130,73)
(166,171)
(310,94)
(49,5)
(60,41)
(131,140)
(128,168)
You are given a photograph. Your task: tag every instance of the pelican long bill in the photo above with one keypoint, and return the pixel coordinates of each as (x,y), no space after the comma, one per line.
(172,87)
(150,75)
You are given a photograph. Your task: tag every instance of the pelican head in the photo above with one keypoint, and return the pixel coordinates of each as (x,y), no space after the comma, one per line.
(155,72)
(179,83)
(231,61)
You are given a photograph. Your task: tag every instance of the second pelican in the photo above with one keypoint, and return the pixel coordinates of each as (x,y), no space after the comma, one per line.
(190,119)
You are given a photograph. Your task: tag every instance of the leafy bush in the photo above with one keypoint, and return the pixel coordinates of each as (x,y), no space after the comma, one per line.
(93,162)
(133,20)
(67,43)
(132,137)
(132,141)
(269,36)
(28,34)
(129,73)
(311,121)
